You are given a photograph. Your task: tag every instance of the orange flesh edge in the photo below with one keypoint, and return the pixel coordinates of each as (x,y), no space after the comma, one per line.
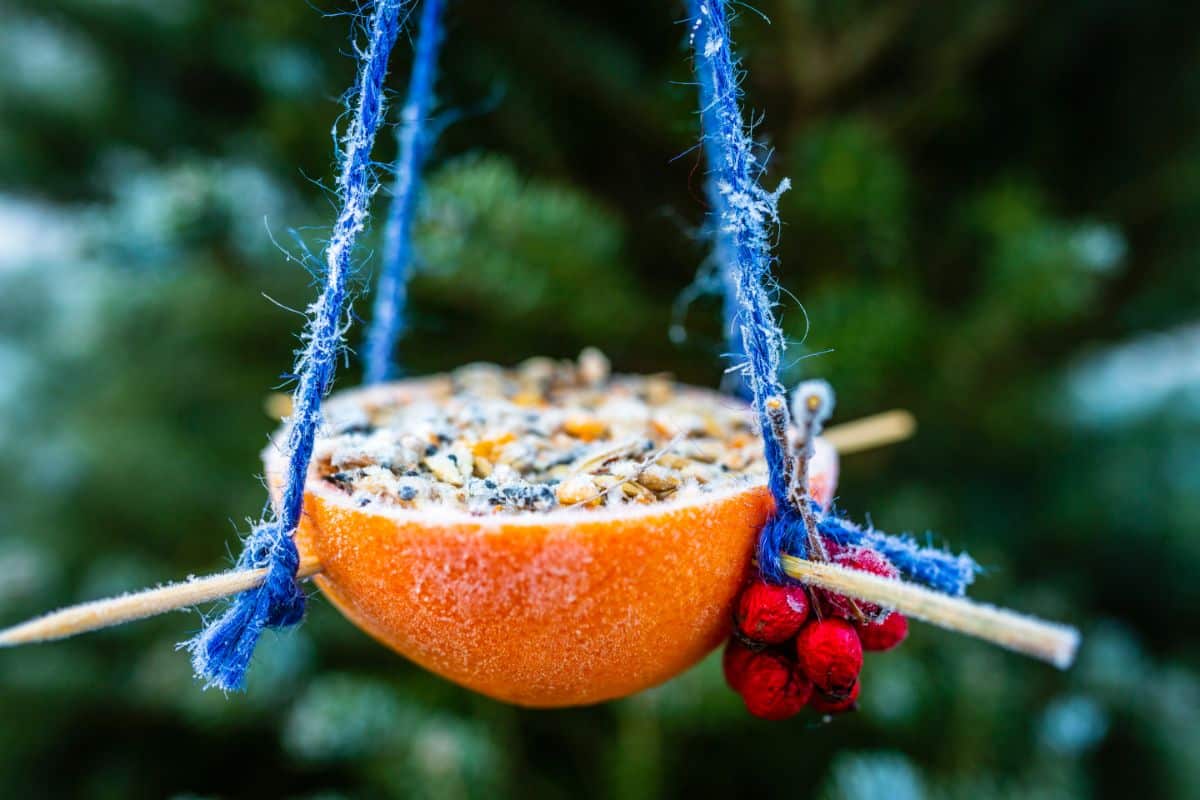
(563,612)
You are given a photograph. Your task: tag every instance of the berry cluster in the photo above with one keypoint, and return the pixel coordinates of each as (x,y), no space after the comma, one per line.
(793,646)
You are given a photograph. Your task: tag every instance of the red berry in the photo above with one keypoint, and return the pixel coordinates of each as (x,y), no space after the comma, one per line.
(734,661)
(861,559)
(832,704)
(885,635)
(830,654)
(772,687)
(771,614)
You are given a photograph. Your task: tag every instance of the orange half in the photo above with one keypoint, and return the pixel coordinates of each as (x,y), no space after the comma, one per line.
(559,608)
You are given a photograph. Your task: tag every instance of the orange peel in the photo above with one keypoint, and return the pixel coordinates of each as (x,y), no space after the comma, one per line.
(546,609)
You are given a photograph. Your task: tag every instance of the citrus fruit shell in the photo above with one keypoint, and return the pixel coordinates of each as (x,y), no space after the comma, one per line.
(542,609)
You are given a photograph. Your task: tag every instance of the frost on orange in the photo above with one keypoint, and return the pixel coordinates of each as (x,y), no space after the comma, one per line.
(537,605)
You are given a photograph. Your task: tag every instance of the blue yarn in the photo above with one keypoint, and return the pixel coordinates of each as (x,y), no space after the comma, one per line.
(929,566)
(221,652)
(746,215)
(415,140)
(937,569)
(784,532)
(723,248)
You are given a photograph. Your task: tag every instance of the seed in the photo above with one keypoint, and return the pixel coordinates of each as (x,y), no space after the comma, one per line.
(487,448)
(659,390)
(444,470)
(658,479)
(480,377)
(574,490)
(594,367)
(565,429)
(464,462)
(705,452)
(537,371)
(672,461)
(736,460)
(634,490)
(528,399)
(584,426)
(376,481)
(605,482)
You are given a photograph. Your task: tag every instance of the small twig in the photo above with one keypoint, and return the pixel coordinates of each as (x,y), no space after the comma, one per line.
(1047,641)
(868,433)
(814,403)
(139,605)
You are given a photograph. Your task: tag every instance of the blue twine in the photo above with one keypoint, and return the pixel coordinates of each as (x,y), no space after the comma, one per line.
(723,248)
(784,532)
(415,140)
(221,652)
(747,215)
(938,569)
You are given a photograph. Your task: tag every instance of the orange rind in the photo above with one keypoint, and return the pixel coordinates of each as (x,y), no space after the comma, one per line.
(546,609)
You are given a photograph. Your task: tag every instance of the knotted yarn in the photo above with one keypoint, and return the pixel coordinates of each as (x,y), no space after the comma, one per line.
(222,651)
(414,138)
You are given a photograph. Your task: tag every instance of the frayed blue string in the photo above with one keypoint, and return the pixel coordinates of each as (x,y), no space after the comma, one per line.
(784,532)
(723,247)
(415,139)
(222,651)
(939,570)
(747,214)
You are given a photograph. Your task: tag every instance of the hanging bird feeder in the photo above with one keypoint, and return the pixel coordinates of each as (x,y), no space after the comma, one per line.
(553,534)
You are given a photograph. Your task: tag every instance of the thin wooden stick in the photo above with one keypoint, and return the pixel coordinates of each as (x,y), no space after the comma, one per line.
(139,605)
(868,433)
(1045,640)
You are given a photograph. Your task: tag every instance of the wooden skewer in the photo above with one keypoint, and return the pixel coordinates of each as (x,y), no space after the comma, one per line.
(868,433)
(1044,640)
(1048,641)
(139,605)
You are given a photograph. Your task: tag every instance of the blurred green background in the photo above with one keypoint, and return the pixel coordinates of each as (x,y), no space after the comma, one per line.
(995,223)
